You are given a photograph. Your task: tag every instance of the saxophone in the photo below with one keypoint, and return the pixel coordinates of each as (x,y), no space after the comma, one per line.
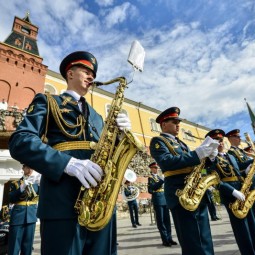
(241,208)
(95,205)
(195,187)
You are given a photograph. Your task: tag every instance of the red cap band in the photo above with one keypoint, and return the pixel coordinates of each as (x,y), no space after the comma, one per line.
(81,62)
(217,136)
(170,115)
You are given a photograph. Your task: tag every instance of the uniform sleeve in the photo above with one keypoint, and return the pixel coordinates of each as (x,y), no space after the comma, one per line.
(26,146)
(167,161)
(15,195)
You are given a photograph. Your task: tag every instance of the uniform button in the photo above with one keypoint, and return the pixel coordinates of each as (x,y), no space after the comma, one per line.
(91,135)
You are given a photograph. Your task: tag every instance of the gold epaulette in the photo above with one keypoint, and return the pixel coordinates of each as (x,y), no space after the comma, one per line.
(16,184)
(75,145)
(185,170)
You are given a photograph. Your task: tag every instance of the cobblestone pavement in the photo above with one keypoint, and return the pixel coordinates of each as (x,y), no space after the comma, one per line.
(145,240)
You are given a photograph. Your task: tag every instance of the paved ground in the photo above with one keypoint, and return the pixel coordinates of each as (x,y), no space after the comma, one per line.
(145,240)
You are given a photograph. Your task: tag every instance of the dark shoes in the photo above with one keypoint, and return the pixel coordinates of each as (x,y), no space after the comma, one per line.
(172,242)
(135,225)
(215,218)
(169,243)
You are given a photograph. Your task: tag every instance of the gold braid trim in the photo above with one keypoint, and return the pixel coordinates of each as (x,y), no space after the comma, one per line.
(230,179)
(237,154)
(75,145)
(60,121)
(168,144)
(185,170)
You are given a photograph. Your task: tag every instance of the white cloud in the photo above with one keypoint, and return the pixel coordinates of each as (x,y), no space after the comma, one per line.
(206,72)
(118,14)
(104,3)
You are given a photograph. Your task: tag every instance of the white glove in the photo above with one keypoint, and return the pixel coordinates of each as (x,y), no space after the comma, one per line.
(203,151)
(247,170)
(213,155)
(88,172)
(238,194)
(24,185)
(123,122)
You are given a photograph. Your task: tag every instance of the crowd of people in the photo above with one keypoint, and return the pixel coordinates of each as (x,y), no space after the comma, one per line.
(58,132)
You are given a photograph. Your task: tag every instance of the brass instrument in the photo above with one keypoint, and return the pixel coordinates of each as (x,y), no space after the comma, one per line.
(29,192)
(241,208)
(195,187)
(131,177)
(5,214)
(95,205)
(134,194)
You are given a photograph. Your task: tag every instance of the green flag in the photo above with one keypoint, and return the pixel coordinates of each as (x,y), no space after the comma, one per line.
(252,116)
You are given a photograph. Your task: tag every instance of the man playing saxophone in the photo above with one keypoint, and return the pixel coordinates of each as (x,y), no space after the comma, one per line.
(231,182)
(23,195)
(241,157)
(59,131)
(176,162)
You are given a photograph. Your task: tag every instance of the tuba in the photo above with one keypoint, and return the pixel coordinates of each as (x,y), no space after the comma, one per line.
(195,187)
(241,208)
(131,177)
(95,205)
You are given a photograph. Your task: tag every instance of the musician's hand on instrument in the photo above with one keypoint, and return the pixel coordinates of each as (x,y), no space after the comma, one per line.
(88,172)
(238,194)
(204,151)
(213,155)
(123,122)
(247,170)
(24,185)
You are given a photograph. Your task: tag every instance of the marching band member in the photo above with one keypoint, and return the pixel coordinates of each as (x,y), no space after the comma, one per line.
(156,189)
(176,162)
(241,157)
(24,195)
(231,182)
(129,191)
(57,131)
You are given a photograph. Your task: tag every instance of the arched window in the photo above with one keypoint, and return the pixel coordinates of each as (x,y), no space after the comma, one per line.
(187,135)
(50,89)
(154,125)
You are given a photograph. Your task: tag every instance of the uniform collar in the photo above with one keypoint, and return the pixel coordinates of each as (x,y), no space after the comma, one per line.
(169,135)
(74,94)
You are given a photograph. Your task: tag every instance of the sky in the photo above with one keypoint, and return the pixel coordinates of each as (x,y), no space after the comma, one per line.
(199,54)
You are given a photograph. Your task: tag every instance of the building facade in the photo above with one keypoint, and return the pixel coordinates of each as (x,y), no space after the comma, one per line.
(19,55)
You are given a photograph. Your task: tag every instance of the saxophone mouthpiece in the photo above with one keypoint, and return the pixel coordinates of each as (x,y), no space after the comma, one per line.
(97,83)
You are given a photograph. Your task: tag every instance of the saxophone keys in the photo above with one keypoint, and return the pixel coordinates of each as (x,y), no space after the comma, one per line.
(92,145)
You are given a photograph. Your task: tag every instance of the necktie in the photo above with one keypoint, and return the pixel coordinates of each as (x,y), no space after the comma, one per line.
(84,108)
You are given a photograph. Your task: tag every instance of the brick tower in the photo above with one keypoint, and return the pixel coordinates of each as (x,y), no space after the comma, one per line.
(22,73)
